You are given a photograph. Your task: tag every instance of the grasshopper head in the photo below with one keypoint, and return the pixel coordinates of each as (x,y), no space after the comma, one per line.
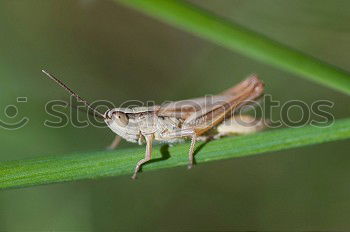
(120,123)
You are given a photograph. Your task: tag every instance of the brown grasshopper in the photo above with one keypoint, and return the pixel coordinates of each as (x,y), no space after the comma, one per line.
(198,119)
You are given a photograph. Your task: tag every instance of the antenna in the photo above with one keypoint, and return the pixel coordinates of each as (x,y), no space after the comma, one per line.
(60,83)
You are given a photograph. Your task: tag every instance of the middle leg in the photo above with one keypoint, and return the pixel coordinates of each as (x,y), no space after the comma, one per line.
(180,134)
(190,154)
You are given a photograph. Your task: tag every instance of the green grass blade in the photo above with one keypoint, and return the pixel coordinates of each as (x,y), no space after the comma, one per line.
(237,38)
(53,169)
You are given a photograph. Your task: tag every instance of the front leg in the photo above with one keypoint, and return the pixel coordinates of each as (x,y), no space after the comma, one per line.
(148,154)
(115,143)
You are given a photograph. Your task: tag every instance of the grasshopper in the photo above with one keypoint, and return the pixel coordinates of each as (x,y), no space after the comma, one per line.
(197,119)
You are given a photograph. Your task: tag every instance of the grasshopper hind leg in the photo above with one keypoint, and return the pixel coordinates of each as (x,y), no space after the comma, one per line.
(239,125)
(235,125)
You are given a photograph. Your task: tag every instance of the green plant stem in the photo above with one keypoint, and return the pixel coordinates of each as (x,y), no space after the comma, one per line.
(53,169)
(199,22)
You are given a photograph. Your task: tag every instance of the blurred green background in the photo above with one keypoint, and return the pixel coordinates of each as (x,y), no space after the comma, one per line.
(106,51)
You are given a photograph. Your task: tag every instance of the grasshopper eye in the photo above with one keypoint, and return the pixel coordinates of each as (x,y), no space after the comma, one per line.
(121,118)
